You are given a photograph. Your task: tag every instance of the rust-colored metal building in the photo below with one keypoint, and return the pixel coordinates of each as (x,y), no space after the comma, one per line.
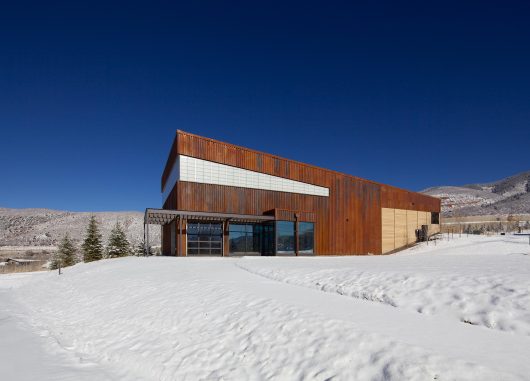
(222,199)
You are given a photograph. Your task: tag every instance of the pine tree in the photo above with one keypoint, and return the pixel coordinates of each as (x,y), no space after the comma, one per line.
(92,246)
(54,263)
(118,245)
(140,249)
(66,252)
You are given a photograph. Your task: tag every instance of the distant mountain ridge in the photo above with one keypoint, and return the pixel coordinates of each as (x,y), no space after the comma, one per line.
(46,227)
(510,195)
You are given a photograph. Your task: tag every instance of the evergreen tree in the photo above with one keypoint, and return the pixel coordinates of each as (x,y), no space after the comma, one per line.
(92,246)
(54,263)
(140,249)
(66,252)
(118,245)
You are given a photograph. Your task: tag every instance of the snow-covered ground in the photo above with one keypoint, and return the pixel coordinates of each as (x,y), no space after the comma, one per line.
(479,280)
(365,318)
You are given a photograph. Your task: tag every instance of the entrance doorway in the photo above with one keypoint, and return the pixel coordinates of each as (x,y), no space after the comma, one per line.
(251,238)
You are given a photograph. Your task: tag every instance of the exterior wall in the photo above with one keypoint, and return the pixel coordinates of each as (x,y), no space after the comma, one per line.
(400,229)
(173,238)
(434,228)
(166,239)
(388,229)
(208,172)
(349,221)
(399,226)
(392,197)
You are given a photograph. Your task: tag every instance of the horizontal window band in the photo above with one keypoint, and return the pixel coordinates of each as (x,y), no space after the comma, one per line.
(195,170)
(245,187)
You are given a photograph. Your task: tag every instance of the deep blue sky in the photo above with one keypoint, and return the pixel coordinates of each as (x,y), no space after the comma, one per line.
(413,94)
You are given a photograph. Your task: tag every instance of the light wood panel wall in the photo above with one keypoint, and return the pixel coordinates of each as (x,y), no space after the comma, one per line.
(387,220)
(422,218)
(398,228)
(412,225)
(433,228)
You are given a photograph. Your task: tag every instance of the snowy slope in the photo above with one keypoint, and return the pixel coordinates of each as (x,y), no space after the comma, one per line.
(507,196)
(478,280)
(45,227)
(28,356)
(346,318)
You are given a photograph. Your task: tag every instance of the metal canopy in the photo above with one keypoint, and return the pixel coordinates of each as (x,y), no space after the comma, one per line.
(165,216)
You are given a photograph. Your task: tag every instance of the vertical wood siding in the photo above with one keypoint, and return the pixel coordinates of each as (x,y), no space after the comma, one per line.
(347,222)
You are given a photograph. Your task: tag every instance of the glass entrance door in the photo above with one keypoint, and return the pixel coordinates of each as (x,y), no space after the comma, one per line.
(251,238)
(205,238)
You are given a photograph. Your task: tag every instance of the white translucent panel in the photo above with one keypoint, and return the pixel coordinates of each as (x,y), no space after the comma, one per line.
(263,182)
(202,171)
(171,180)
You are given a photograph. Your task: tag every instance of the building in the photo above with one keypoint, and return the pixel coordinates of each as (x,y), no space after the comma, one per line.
(221,199)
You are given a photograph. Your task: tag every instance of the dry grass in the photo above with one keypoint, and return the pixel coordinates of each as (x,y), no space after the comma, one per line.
(22,268)
(487,218)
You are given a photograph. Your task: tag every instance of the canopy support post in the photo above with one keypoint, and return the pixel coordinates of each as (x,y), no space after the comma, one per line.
(147,252)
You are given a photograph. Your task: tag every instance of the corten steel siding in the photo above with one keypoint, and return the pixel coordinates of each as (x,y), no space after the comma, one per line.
(170,161)
(392,197)
(346,222)
(289,215)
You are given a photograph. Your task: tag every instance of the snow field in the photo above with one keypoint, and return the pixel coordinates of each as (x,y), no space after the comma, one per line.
(216,318)
(478,280)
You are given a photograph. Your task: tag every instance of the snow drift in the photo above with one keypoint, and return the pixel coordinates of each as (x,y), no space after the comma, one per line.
(216,318)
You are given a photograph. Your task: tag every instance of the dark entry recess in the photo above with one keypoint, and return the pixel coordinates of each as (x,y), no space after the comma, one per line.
(251,239)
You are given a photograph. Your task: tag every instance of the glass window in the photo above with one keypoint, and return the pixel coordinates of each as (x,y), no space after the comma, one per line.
(306,233)
(205,238)
(285,237)
(267,238)
(245,239)
(435,218)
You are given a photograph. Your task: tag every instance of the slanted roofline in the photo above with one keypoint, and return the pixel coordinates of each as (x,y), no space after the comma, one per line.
(174,152)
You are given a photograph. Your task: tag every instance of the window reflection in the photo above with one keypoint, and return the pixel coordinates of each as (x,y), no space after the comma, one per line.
(285,237)
(306,237)
(251,239)
(245,239)
(205,238)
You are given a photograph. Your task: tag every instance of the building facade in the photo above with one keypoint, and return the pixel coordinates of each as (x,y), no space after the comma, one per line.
(221,199)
